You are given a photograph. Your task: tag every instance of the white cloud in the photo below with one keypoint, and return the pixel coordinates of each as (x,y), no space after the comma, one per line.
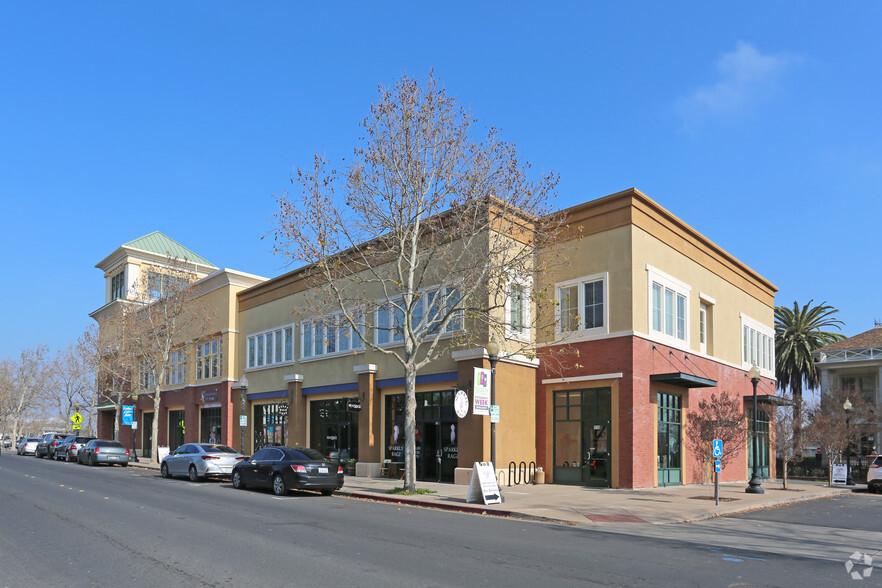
(745,77)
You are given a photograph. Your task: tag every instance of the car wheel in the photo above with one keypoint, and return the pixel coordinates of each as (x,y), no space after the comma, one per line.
(279,485)
(92,461)
(69,458)
(327,491)
(194,477)
(237,481)
(163,470)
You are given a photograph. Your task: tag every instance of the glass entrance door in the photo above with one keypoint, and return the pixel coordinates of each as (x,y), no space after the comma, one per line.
(147,434)
(595,464)
(175,429)
(669,425)
(582,423)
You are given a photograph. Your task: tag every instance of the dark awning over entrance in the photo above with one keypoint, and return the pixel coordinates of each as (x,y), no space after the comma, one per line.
(683,380)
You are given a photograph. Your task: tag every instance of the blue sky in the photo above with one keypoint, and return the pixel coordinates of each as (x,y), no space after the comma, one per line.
(756,123)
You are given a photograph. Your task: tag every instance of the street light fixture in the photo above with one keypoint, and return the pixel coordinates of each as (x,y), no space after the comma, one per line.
(243,389)
(493,354)
(754,486)
(848,408)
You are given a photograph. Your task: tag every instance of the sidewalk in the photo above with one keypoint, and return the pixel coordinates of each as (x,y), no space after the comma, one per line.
(578,505)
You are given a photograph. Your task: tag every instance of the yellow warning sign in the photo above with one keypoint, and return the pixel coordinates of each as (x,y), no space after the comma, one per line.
(76,419)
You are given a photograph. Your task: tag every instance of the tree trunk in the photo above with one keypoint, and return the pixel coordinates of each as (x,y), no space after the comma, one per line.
(409,425)
(154,442)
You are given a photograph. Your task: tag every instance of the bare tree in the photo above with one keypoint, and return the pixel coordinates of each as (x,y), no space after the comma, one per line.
(26,385)
(719,417)
(787,429)
(73,384)
(832,428)
(437,233)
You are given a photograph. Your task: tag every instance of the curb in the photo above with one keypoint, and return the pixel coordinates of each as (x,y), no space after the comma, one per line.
(475,510)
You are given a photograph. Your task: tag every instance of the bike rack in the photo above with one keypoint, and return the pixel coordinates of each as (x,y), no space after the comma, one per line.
(522,473)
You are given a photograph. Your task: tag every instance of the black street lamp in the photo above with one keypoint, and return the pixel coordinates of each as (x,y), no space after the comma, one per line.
(847,407)
(243,389)
(754,486)
(493,354)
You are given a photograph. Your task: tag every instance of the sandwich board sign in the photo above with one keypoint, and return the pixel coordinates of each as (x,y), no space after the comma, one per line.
(840,474)
(483,485)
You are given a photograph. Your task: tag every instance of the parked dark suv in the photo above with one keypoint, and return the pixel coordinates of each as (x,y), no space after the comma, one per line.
(46,447)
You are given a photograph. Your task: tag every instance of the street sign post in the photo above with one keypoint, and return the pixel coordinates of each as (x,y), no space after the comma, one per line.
(718,467)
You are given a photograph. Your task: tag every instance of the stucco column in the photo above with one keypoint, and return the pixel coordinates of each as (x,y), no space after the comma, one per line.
(370,438)
(296,411)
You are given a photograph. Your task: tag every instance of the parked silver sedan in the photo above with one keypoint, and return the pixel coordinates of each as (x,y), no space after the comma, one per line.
(198,461)
(103,451)
(28,446)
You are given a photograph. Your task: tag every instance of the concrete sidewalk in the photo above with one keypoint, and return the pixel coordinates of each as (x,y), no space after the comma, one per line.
(578,505)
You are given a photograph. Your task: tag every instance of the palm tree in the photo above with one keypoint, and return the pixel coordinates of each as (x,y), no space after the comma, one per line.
(798,333)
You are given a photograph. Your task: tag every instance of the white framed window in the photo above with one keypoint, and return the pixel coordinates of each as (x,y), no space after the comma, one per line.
(426,317)
(145,375)
(668,306)
(209,357)
(162,285)
(702,327)
(582,306)
(272,347)
(757,344)
(329,335)
(517,309)
(175,369)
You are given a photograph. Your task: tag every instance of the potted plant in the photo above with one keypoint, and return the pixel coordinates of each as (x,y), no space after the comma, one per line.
(350,466)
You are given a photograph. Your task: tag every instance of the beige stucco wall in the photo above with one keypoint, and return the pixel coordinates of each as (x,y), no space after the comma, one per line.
(729,300)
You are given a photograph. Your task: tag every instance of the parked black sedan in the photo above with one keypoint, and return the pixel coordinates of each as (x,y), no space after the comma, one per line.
(287,468)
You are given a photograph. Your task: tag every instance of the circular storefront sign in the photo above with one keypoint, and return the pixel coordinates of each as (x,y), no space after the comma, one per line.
(461,403)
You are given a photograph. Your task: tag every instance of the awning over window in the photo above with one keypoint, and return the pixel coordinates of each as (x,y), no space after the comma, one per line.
(106,405)
(683,380)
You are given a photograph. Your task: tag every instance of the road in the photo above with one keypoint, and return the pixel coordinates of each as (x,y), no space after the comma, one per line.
(64,524)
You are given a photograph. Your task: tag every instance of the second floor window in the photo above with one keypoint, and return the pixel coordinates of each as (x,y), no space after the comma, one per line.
(271,347)
(582,304)
(328,335)
(175,369)
(208,359)
(428,313)
(145,375)
(758,344)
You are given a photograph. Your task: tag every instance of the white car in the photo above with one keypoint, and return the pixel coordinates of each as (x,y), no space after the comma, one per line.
(874,474)
(28,446)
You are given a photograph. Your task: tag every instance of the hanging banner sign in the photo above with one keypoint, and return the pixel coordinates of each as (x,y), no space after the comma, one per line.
(483,484)
(353,405)
(128,414)
(481,387)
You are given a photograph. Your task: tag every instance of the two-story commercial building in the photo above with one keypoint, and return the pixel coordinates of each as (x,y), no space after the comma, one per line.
(649,318)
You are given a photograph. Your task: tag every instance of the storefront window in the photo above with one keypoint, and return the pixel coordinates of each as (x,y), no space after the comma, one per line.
(270,425)
(210,429)
(334,429)
(436,433)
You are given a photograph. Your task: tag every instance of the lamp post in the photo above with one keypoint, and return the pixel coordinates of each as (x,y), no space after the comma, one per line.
(493,354)
(848,408)
(754,486)
(243,389)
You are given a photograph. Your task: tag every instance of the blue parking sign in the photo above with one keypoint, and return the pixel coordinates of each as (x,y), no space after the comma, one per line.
(718,448)
(718,466)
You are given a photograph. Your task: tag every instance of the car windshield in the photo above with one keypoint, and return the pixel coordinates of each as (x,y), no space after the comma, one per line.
(878,461)
(83,439)
(217,449)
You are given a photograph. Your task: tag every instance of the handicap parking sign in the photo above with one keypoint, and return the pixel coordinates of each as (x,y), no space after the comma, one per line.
(718,448)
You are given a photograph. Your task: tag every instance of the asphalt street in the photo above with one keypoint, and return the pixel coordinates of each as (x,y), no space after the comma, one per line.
(64,524)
